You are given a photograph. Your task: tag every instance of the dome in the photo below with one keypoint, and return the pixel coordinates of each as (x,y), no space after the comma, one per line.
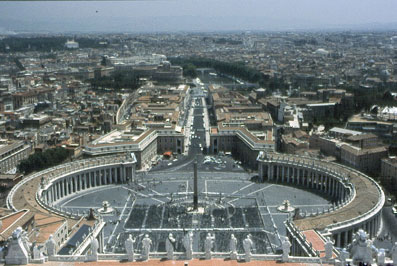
(321,51)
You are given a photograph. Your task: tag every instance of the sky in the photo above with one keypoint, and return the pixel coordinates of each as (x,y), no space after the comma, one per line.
(194,15)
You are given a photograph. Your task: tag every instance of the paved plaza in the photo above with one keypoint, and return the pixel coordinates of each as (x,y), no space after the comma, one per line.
(159,202)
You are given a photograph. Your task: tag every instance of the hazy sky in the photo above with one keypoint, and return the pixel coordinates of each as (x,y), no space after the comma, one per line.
(203,15)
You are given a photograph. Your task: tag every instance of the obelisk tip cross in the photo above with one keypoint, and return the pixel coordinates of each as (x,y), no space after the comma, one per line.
(195,195)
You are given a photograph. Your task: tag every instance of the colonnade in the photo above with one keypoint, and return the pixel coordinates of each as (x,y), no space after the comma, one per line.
(310,177)
(333,180)
(86,178)
(344,237)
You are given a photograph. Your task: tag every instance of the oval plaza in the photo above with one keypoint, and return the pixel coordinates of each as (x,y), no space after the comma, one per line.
(356,199)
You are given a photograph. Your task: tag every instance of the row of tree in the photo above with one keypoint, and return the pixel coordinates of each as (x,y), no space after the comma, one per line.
(118,80)
(44,44)
(41,160)
(237,69)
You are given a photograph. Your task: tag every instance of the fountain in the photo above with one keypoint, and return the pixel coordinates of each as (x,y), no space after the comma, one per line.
(106,209)
(285,207)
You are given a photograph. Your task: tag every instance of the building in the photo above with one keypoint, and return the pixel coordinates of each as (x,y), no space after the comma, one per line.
(382,129)
(144,144)
(367,160)
(389,173)
(12,154)
(71,44)
(241,143)
(342,133)
(363,210)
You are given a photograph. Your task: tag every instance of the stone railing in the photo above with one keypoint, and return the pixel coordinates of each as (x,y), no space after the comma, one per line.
(98,227)
(315,165)
(56,172)
(341,173)
(83,165)
(301,239)
(181,256)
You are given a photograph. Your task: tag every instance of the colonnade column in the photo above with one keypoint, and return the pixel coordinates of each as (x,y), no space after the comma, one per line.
(288,174)
(283,174)
(57,190)
(277,173)
(69,185)
(330,185)
(312,174)
(62,188)
(95,179)
(293,175)
(298,175)
(81,181)
(338,236)
(54,196)
(116,177)
(124,173)
(321,181)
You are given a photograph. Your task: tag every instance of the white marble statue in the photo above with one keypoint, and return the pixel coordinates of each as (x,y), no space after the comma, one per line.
(328,246)
(208,244)
(2,252)
(247,245)
(17,253)
(381,257)
(188,245)
(286,246)
(343,256)
(394,253)
(233,247)
(93,255)
(94,246)
(146,243)
(25,241)
(50,246)
(129,247)
(170,246)
(37,254)
(362,248)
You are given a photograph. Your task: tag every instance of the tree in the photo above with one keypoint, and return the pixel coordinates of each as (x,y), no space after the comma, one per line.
(189,70)
(41,160)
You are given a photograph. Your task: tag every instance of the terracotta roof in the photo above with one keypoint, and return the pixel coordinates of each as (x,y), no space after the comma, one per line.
(317,242)
(10,219)
(46,225)
(361,137)
(358,151)
(13,221)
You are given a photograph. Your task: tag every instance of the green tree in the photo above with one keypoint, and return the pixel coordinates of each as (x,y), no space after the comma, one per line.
(189,70)
(41,160)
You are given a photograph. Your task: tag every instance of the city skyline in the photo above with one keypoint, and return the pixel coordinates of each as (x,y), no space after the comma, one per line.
(177,16)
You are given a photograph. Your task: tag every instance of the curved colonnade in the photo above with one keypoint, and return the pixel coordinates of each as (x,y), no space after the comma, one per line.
(359,199)
(58,182)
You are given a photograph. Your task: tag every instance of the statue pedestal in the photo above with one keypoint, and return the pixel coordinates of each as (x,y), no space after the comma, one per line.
(130,257)
(208,255)
(233,256)
(170,255)
(189,255)
(38,261)
(17,253)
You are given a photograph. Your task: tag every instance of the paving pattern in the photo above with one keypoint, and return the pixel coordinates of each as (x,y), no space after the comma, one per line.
(158,203)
